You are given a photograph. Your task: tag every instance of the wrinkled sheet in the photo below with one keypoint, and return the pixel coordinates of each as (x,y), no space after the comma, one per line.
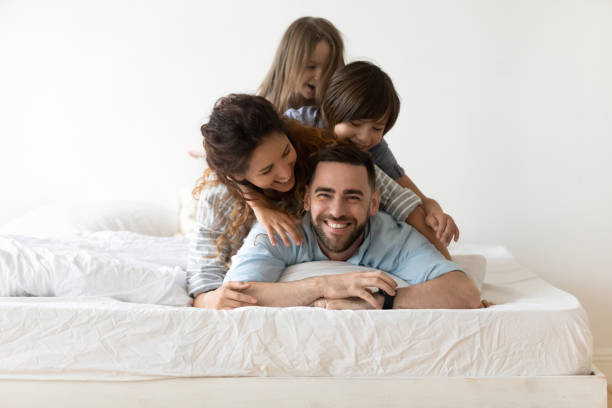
(534,329)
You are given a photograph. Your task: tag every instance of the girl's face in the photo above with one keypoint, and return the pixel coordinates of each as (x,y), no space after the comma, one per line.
(363,133)
(316,65)
(271,165)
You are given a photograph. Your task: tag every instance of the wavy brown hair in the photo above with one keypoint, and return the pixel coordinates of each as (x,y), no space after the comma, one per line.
(297,45)
(238,124)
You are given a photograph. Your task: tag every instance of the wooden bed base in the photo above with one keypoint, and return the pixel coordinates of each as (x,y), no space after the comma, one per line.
(512,392)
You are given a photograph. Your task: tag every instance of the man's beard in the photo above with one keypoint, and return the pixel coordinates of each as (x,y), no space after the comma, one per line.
(335,245)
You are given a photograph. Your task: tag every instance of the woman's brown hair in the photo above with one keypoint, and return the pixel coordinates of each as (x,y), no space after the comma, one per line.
(297,45)
(238,124)
(360,90)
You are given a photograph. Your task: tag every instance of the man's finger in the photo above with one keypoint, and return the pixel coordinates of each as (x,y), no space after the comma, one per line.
(238,285)
(385,277)
(380,284)
(228,304)
(368,297)
(241,297)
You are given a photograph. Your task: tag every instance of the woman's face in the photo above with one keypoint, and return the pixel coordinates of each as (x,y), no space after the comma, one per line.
(272,163)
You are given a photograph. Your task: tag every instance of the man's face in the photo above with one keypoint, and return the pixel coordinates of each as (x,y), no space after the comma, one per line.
(340,200)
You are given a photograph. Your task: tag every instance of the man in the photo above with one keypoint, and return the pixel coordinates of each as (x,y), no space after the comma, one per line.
(343,224)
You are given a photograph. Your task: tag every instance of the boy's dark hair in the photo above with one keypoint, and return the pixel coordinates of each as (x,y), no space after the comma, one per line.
(344,153)
(360,90)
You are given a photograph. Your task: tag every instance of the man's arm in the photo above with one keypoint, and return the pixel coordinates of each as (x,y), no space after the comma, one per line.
(261,264)
(306,291)
(453,290)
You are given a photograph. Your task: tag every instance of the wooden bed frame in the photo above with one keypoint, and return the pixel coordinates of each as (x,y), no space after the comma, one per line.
(587,391)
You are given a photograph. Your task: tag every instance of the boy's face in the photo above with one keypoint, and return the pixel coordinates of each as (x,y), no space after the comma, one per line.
(363,133)
(340,200)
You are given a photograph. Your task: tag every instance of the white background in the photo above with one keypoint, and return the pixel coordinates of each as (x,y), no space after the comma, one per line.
(506,113)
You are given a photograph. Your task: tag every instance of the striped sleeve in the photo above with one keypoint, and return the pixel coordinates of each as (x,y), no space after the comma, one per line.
(396,200)
(206,268)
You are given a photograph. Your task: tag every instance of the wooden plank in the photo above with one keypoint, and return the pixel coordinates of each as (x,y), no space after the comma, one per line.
(512,392)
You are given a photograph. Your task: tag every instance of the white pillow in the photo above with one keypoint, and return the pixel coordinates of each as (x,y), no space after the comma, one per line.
(72,218)
(474,266)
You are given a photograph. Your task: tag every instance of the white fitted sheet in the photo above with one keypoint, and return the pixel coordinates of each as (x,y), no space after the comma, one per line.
(534,329)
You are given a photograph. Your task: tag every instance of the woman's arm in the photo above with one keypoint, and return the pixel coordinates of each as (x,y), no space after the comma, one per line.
(273,220)
(206,266)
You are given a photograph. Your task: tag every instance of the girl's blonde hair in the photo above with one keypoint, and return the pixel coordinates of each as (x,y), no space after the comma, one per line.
(297,45)
(239,123)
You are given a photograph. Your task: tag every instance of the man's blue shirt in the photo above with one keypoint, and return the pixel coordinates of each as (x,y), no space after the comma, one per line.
(388,245)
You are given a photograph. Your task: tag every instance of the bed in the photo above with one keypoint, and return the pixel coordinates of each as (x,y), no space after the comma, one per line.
(109,325)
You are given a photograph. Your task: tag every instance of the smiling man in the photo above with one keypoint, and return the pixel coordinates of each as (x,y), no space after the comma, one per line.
(343,223)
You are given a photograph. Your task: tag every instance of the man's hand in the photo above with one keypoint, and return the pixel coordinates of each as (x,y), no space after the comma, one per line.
(226,297)
(356,284)
(349,303)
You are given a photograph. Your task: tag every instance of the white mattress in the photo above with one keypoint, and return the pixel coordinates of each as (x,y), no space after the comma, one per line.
(534,329)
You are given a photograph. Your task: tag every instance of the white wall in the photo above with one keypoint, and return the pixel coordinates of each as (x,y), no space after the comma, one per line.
(506,109)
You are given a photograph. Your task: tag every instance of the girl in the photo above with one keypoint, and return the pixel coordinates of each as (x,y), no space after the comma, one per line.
(361,106)
(255,156)
(310,51)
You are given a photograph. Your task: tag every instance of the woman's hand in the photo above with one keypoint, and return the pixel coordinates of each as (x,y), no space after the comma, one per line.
(227,297)
(442,223)
(279,222)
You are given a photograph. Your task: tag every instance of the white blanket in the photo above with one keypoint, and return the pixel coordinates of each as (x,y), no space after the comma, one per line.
(534,328)
(118,264)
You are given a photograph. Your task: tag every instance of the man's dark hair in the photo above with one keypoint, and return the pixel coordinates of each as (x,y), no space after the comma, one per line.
(344,153)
